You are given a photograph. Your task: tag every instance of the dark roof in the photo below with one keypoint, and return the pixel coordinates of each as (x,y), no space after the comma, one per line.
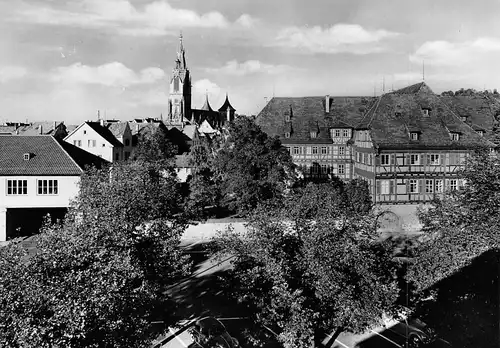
(479,110)
(117,128)
(309,114)
(104,132)
(206,106)
(226,105)
(48,156)
(182,161)
(389,129)
(47,128)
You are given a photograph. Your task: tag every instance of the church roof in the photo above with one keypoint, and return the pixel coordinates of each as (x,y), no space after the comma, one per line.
(397,113)
(206,106)
(307,114)
(226,105)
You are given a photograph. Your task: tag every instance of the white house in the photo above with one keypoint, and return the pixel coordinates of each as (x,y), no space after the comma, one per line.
(38,175)
(98,139)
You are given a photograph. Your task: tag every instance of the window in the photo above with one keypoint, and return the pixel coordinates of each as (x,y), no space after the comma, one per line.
(429,186)
(127,154)
(337,132)
(385,187)
(27,156)
(425,112)
(103,145)
(414,159)
(117,156)
(346,133)
(414,136)
(287,135)
(455,136)
(77,143)
(323,150)
(480,132)
(313,134)
(433,160)
(296,150)
(91,143)
(413,185)
(127,142)
(314,150)
(323,169)
(385,159)
(17,187)
(84,132)
(315,168)
(463,118)
(453,184)
(47,187)
(341,169)
(341,150)
(438,185)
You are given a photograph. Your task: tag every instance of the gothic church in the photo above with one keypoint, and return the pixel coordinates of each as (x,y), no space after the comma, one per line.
(180,112)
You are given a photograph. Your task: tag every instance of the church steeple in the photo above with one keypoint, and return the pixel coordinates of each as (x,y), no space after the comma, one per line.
(181,55)
(179,100)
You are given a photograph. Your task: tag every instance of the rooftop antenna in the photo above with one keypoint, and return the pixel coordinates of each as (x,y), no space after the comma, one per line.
(374,89)
(383,84)
(273,88)
(423,70)
(98,114)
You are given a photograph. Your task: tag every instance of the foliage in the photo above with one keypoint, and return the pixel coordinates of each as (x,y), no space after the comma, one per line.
(462,225)
(153,146)
(97,280)
(204,185)
(252,166)
(309,264)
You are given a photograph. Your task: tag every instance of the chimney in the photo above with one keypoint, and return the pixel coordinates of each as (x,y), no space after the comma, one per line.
(55,125)
(41,129)
(101,122)
(327,104)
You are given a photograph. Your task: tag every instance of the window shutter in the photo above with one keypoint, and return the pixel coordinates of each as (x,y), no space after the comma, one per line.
(447,185)
(407,160)
(377,160)
(392,159)
(442,158)
(420,185)
(378,182)
(391,186)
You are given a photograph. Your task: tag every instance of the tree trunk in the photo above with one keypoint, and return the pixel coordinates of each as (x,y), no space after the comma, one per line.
(332,339)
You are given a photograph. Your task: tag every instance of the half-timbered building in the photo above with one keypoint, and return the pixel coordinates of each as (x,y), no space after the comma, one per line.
(410,146)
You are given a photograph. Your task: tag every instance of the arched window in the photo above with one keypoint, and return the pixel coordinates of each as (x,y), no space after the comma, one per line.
(176,84)
(127,142)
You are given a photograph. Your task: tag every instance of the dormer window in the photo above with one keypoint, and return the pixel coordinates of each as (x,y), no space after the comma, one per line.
(287,116)
(414,135)
(455,136)
(287,135)
(480,132)
(463,118)
(426,111)
(314,134)
(27,156)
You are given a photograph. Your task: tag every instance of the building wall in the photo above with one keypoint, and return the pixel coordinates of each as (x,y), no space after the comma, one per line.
(102,148)
(67,190)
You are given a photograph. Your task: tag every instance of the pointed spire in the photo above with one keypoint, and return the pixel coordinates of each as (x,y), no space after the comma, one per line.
(226,105)
(181,54)
(206,106)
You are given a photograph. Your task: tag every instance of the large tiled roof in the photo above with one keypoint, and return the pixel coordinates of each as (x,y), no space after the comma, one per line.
(309,114)
(397,114)
(48,156)
(104,132)
(117,128)
(479,110)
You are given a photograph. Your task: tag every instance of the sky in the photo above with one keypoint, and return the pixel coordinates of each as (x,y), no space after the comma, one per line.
(67,59)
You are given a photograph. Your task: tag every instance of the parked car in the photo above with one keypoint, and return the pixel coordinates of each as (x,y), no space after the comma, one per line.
(418,333)
(211,333)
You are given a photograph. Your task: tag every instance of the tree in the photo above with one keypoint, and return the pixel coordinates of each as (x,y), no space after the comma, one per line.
(462,231)
(309,265)
(252,166)
(97,279)
(153,146)
(204,185)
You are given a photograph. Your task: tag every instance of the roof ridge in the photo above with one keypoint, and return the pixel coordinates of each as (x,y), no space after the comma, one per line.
(67,154)
(374,108)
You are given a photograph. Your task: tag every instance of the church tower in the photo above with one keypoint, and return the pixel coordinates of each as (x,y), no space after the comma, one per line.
(179,100)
